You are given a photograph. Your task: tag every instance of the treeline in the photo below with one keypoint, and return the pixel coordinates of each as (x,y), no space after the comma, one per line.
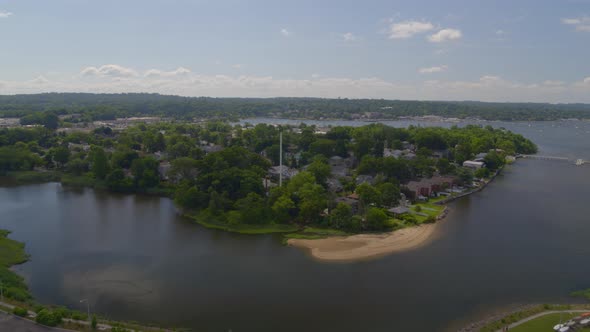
(92,107)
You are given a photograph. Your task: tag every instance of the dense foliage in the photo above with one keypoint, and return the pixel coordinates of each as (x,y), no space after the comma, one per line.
(221,172)
(109,106)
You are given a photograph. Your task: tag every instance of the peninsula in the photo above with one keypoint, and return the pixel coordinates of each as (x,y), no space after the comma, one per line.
(307,182)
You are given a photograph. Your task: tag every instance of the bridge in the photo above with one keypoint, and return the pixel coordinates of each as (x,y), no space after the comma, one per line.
(578,162)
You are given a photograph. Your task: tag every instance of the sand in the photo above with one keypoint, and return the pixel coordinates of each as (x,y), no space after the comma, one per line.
(367,246)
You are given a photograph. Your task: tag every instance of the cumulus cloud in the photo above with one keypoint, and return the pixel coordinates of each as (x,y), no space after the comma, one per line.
(485,88)
(434,69)
(285,32)
(108,71)
(349,37)
(580,23)
(407,29)
(5,14)
(180,71)
(445,35)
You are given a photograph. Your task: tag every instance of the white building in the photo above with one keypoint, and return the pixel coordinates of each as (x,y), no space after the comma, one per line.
(473,164)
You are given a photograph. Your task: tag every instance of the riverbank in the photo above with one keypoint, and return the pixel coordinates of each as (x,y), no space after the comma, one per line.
(366,246)
(16,295)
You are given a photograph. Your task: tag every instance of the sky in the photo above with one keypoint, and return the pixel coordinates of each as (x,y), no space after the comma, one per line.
(517,50)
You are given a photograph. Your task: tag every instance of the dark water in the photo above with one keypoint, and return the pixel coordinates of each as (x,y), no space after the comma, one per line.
(523,239)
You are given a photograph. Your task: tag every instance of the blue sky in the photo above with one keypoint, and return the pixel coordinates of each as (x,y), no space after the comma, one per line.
(444,50)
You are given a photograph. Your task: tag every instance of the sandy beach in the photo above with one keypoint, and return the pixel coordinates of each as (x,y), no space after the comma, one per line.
(365,246)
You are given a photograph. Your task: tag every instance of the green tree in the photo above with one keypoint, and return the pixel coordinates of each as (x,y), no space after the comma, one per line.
(341,216)
(320,170)
(282,208)
(100,163)
(93,323)
(61,155)
(368,195)
(376,219)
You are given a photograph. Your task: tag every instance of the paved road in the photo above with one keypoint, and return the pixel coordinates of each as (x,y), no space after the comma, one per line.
(16,324)
(522,321)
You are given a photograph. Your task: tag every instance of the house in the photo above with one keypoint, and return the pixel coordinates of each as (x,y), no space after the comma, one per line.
(287,172)
(334,185)
(392,153)
(473,164)
(399,210)
(164,169)
(365,178)
(429,187)
(349,200)
(339,166)
(480,157)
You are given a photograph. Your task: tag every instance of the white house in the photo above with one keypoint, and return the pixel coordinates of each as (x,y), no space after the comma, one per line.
(473,164)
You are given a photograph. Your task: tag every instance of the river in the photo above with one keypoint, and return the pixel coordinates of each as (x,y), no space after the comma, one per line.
(523,239)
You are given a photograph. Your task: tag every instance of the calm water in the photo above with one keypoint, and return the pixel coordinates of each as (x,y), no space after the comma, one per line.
(523,239)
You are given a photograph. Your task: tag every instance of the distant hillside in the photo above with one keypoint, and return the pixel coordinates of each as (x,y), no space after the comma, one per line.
(109,106)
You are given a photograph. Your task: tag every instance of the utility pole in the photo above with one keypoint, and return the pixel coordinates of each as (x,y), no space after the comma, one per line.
(87,307)
(280,158)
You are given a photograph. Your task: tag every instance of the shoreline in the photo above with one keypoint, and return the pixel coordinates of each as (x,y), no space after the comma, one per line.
(360,247)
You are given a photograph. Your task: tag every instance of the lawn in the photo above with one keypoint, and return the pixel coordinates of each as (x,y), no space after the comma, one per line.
(429,209)
(544,323)
(313,233)
(246,229)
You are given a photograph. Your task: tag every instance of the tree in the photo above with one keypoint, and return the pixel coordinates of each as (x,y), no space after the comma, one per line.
(313,202)
(376,219)
(444,166)
(100,164)
(481,173)
(390,193)
(252,209)
(93,323)
(320,170)
(341,216)
(145,172)
(60,155)
(282,208)
(368,195)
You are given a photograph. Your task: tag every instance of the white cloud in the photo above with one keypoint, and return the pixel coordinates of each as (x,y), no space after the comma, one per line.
(553,83)
(485,88)
(5,14)
(407,29)
(285,32)
(445,35)
(580,23)
(500,32)
(180,71)
(108,70)
(237,66)
(435,69)
(315,75)
(349,37)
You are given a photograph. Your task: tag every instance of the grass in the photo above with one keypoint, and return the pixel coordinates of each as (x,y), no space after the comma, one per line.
(209,222)
(544,323)
(519,315)
(23,177)
(582,293)
(11,253)
(429,209)
(314,233)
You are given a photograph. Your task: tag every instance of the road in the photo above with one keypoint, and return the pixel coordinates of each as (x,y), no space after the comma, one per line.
(16,324)
(522,321)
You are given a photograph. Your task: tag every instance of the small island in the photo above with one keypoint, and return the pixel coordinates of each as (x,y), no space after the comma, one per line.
(345,193)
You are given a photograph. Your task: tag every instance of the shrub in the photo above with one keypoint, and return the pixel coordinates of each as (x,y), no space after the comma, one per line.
(22,312)
(48,318)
